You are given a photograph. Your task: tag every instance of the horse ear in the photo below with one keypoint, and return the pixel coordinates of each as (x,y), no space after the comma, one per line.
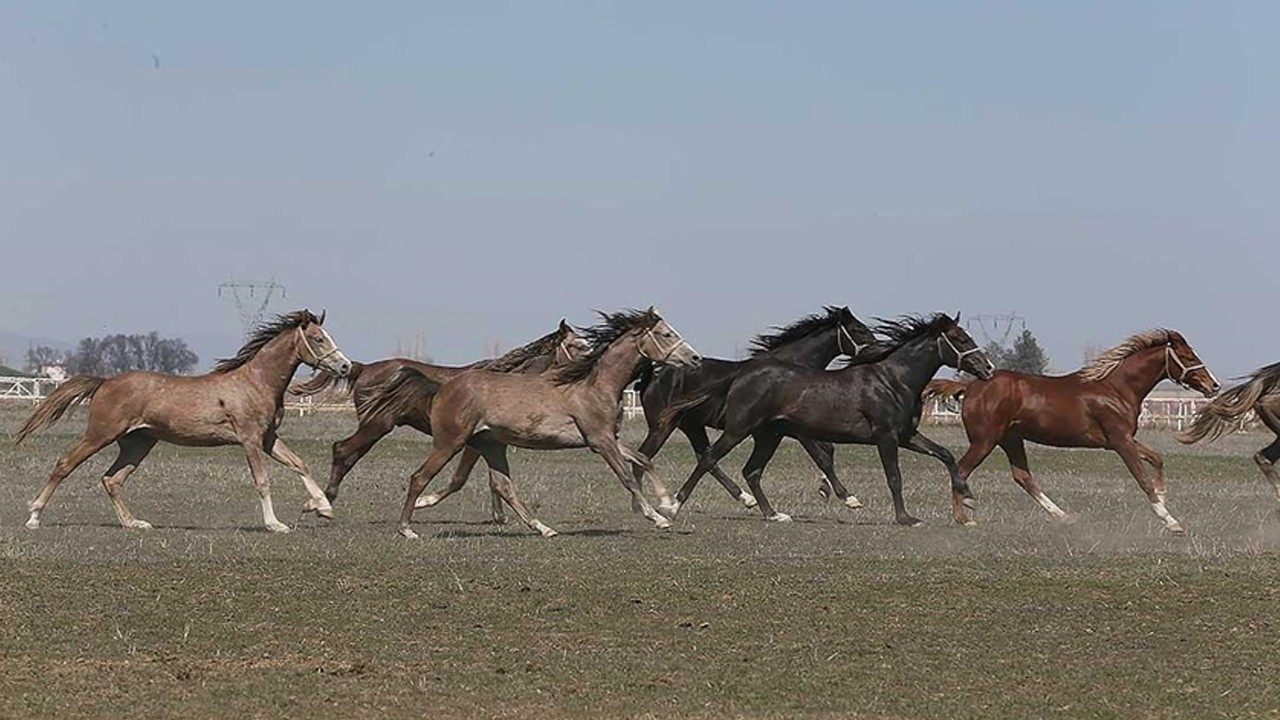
(321,320)
(307,317)
(957,321)
(564,325)
(652,312)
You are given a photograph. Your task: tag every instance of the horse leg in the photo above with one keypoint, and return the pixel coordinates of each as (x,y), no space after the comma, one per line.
(823,455)
(348,451)
(697,435)
(727,441)
(253,451)
(961,495)
(443,451)
(765,445)
(134,447)
(1152,458)
(606,445)
(640,467)
(495,454)
(887,446)
(456,482)
(88,446)
(1016,450)
(1267,457)
(317,503)
(1128,450)
(658,435)
(980,446)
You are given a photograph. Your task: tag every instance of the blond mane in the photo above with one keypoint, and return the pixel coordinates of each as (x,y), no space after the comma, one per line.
(1111,359)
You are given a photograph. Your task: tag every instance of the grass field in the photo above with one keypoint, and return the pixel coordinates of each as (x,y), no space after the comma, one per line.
(839,614)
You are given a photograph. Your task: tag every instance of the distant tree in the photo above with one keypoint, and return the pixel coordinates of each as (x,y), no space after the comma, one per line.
(1026,355)
(122,353)
(42,355)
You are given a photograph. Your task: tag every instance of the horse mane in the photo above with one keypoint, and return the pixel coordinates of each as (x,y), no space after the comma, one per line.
(600,336)
(523,355)
(831,317)
(1111,359)
(262,334)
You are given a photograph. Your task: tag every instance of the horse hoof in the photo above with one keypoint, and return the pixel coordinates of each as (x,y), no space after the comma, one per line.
(277,527)
(852,503)
(662,523)
(968,523)
(545,531)
(779,517)
(426,501)
(139,525)
(33,524)
(748,500)
(669,510)
(499,519)
(824,492)
(1176,529)
(1067,518)
(909,521)
(970,502)
(326,513)
(408,533)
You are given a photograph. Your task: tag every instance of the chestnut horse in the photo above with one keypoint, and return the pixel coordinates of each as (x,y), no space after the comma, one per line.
(240,403)
(1261,394)
(555,349)
(1094,407)
(577,406)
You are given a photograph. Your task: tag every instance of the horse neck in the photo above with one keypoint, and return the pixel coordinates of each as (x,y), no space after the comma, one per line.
(277,361)
(913,364)
(1138,374)
(814,350)
(618,366)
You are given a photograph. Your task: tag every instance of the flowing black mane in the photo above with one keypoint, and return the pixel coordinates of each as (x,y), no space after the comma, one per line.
(264,333)
(601,335)
(521,356)
(900,331)
(830,318)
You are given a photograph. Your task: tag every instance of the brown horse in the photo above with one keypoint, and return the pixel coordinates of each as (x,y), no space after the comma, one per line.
(1260,394)
(578,406)
(240,403)
(554,349)
(1094,407)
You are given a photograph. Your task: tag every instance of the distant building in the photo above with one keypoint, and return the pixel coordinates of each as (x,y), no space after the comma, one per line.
(56,373)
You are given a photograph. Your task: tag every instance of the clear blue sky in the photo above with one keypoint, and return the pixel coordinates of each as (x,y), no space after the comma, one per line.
(477,170)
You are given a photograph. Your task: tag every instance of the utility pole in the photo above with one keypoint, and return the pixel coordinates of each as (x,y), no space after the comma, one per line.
(251,297)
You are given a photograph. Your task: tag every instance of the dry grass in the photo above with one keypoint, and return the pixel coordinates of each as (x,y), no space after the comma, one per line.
(838,614)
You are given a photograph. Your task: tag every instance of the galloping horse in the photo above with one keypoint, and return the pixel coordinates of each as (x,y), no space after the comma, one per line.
(875,403)
(812,342)
(1261,393)
(578,406)
(555,349)
(240,402)
(1094,407)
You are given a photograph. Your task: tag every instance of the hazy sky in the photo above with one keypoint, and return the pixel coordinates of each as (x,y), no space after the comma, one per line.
(477,170)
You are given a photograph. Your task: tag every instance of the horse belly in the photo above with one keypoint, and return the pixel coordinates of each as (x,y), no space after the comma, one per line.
(539,435)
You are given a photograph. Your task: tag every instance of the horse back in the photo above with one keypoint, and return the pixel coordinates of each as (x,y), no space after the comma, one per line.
(1060,410)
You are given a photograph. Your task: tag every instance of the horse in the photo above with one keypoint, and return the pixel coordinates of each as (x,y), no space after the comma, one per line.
(1095,407)
(554,349)
(812,341)
(1260,393)
(874,403)
(580,405)
(241,402)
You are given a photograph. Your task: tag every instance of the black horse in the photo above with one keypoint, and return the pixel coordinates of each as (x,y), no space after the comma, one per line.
(812,342)
(876,403)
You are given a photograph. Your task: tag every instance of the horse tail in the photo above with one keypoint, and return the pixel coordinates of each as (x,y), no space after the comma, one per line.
(321,381)
(407,390)
(1218,417)
(941,389)
(51,409)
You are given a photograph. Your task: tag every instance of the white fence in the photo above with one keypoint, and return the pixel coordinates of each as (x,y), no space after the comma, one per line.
(32,389)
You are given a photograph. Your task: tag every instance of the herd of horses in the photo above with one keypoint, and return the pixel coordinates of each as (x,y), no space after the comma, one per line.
(565,390)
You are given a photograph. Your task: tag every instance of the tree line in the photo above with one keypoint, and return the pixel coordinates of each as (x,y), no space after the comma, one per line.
(113,354)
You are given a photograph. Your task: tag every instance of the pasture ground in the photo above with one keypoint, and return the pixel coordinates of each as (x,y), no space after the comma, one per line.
(839,614)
